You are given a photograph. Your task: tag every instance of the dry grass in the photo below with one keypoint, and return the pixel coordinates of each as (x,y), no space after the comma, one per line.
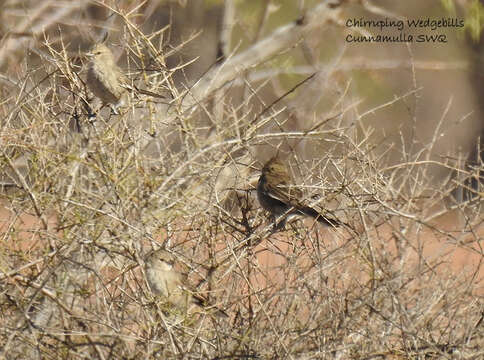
(86,197)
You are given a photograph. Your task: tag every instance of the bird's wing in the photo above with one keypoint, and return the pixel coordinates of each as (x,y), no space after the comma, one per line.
(197,298)
(289,195)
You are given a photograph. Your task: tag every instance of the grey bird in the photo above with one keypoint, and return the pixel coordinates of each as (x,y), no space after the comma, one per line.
(108,82)
(104,77)
(166,281)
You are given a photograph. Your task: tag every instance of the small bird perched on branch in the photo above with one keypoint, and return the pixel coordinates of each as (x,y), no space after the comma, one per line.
(104,77)
(107,81)
(168,282)
(278,196)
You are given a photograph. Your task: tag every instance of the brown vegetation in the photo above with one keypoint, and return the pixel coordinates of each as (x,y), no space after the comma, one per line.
(87,193)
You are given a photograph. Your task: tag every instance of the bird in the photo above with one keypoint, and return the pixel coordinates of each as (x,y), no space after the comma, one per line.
(277,195)
(108,82)
(167,282)
(104,77)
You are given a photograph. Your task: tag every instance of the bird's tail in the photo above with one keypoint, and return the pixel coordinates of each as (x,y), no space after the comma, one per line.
(202,303)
